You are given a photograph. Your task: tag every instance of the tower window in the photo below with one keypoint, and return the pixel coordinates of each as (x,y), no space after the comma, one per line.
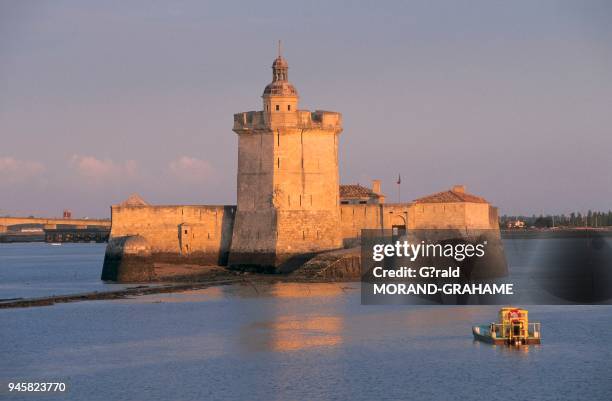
(288,107)
(277,107)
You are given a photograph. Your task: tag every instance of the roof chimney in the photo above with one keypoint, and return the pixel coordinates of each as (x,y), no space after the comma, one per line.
(376,186)
(459,189)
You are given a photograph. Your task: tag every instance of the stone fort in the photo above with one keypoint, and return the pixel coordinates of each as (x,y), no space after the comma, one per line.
(290,204)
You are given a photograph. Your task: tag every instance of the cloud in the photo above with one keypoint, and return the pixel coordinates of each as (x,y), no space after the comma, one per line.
(14,170)
(101,169)
(190,169)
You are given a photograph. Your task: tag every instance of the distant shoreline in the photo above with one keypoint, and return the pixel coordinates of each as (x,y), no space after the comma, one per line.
(563,232)
(18,237)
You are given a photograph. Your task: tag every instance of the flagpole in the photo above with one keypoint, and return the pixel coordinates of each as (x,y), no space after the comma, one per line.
(399,188)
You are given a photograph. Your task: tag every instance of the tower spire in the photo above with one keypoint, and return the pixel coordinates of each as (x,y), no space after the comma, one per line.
(279,49)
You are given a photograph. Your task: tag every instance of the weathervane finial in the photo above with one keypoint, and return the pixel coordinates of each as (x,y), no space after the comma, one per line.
(279,49)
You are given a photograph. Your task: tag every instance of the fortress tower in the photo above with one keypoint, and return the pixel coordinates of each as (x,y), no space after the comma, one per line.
(288,196)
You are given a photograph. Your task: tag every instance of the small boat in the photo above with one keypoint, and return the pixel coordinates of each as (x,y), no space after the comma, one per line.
(513,328)
(55,243)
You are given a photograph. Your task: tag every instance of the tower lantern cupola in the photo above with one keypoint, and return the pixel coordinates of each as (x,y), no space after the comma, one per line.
(280,69)
(280,96)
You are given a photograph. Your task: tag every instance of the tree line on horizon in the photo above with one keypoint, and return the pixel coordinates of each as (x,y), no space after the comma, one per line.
(574,219)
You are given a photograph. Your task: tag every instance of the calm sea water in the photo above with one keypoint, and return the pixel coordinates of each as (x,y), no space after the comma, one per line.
(30,270)
(283,342)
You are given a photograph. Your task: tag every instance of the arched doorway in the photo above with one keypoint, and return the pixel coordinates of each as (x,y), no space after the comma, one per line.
(398,225)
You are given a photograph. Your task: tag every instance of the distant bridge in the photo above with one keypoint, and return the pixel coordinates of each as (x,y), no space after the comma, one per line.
(6,222)
(37,229)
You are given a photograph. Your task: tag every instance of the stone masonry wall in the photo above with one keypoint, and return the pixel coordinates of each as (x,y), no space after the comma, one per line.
(355,217)
(457,215)
(178,231)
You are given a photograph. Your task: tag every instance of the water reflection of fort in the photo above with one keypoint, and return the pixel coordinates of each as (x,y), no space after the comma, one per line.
(282,330)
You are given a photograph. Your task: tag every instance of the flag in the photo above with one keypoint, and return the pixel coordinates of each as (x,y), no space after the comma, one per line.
(399,179)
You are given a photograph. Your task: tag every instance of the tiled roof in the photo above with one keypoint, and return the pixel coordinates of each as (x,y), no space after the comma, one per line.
(356,191)
(450,197)
(134,200)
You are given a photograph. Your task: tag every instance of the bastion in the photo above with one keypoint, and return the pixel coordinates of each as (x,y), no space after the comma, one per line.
(143,236)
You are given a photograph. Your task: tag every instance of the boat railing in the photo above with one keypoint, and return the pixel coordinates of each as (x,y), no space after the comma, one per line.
(534,330)
(503,330)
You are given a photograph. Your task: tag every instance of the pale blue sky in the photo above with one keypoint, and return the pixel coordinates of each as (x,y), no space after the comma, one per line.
(101,99)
